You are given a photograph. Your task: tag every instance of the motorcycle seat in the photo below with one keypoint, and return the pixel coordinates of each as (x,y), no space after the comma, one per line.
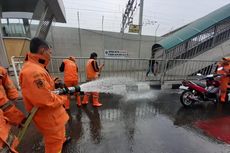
(200,84)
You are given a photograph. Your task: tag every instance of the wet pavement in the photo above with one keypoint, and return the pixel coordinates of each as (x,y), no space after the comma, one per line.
(139,123)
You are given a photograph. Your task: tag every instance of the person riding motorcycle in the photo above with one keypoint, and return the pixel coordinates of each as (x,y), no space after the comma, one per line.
(223,68)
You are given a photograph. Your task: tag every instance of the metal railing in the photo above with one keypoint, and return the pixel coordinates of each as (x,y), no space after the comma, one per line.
(168,70)
(130,68)
(180,69)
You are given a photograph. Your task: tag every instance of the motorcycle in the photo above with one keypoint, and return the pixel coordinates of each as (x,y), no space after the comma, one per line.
(196,92)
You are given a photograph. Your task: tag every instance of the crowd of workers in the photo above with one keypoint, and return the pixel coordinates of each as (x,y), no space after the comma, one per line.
(37,86)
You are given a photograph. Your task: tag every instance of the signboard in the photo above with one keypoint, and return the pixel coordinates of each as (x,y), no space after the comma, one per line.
(134,28)
(116,54)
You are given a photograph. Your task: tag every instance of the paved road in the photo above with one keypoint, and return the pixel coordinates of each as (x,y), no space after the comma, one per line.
(150,122)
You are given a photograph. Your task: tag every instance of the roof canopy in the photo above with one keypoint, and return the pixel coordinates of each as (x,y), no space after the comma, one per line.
(56,7)
(195,28)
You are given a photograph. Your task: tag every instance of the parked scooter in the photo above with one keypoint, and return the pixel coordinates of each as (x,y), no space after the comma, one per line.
(196,92)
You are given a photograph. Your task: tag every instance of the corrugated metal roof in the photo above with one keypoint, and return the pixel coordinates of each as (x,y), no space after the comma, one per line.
(195,27)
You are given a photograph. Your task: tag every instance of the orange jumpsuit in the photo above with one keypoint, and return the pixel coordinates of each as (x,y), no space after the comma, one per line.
(91,74)
(71,78)
(51,117)
(9,92)
(224,79)
(7,140)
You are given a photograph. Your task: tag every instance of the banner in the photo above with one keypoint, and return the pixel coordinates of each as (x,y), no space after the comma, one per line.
(134,28)
(116,54)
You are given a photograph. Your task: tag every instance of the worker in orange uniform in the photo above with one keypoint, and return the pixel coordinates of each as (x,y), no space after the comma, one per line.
(8,142)
(92,73)
(8,92)
(70,69)
(223,68)
(37,86)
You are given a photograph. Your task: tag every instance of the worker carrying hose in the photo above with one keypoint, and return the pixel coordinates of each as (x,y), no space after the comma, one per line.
(8,142)
(9,95)
(70,69)
(92,73)
(37,86)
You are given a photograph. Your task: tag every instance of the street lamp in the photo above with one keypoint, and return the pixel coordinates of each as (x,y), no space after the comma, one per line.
(158,25)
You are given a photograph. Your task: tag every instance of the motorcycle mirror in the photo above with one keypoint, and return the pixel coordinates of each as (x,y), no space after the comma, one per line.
(210,75)
(199,74)
(220,68)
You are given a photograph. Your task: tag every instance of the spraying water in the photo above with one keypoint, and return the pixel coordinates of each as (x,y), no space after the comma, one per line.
(127,87)
(108,85)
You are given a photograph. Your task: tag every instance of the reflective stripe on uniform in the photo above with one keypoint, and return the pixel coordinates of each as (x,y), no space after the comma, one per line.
(8,143)
(6,105)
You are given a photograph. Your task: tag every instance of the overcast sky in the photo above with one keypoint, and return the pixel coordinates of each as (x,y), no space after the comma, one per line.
(167,14)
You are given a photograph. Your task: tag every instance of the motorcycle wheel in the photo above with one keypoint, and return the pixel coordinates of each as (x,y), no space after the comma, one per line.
(185,101)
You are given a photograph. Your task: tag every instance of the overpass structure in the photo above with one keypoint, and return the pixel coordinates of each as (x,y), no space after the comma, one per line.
(207,38)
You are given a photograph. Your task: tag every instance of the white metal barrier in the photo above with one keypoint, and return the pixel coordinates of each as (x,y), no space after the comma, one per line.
(187,69)
(17,66)
(168,70)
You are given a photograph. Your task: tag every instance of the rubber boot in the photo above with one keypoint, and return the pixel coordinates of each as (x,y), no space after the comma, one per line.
(85,99)
(223,93)
(96,102)
(78,101)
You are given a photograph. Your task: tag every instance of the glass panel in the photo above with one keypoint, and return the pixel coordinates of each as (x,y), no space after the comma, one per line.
(13,28)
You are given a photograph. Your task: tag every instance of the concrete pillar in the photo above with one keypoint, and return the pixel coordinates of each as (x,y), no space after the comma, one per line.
(3,58)
(45,23)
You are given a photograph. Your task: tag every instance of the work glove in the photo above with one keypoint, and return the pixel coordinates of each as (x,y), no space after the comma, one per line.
(58,83)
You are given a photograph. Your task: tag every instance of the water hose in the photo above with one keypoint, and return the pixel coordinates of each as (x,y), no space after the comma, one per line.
(27,123)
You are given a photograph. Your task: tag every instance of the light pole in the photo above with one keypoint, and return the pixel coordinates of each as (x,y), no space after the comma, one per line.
(156,33)
(79,33)
(140,25)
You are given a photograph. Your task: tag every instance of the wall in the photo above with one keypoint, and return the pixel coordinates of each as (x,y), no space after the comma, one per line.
(16,46)
(66,42)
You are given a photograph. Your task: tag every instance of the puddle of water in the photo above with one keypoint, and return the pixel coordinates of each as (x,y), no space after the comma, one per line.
(150,95)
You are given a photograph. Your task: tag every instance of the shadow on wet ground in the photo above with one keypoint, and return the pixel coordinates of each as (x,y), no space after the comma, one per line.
(154,123)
